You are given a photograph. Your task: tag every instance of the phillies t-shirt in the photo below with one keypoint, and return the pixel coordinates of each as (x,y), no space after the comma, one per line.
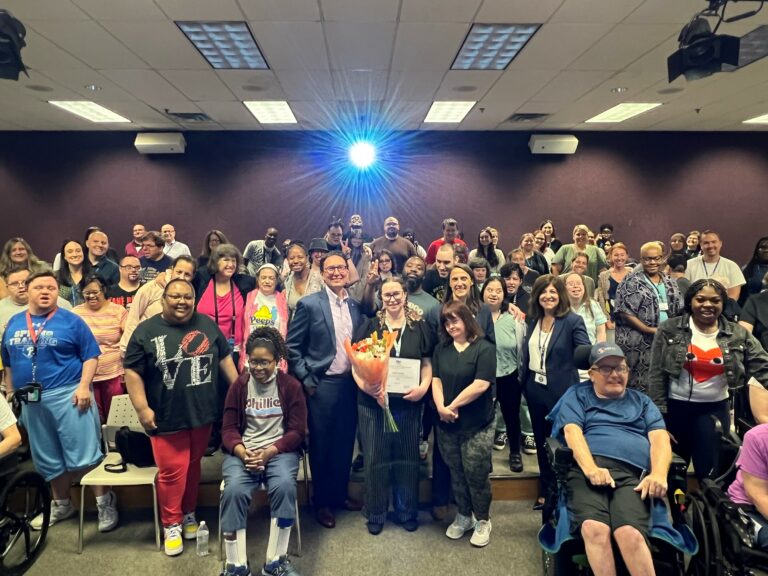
(702,378)
(180,368)
(263,414)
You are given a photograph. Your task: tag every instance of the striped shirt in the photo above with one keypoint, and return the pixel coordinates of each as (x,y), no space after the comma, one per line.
(107,327)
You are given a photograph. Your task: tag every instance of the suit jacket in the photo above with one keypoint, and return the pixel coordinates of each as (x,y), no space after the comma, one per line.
(312,339)
(568,332)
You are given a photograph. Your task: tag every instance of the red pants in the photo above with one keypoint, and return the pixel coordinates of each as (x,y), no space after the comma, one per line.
(104,391)
(178,458)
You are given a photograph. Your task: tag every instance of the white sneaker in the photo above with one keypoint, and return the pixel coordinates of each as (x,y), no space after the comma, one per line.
(174,545)
(423,449)
(108,513)
(482,534)
(460,526)
(58,513)
(189,526)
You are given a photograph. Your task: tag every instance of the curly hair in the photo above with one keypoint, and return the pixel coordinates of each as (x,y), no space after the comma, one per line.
(269,338)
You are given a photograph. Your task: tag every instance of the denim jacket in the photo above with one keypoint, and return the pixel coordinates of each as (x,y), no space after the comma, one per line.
(743,356)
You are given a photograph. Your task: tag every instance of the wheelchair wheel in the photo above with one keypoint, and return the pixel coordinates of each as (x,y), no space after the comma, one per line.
(23,497)
(709,560)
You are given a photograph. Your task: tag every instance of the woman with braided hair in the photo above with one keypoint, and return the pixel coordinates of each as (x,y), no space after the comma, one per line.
(265,420)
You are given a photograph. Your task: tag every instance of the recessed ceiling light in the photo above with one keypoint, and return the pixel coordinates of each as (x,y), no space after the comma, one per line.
(624,111)
(89,110)
(38,88)
(757,120)
(492,46)
(271,111)
(619,89)
(226,45)
(450,112)
(92,87)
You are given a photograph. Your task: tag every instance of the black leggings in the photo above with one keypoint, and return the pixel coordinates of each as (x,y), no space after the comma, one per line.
(691,425)
(509,395)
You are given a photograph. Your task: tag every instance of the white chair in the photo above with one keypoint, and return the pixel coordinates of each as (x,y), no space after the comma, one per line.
(263,487)
(121,413)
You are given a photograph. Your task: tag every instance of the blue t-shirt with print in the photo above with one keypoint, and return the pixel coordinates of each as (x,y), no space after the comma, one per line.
(63,345)
(613,427)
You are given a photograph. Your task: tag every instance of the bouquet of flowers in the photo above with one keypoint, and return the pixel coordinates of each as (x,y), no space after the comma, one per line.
(370,360)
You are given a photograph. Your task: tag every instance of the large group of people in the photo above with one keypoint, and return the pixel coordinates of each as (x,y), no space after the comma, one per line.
(246,351)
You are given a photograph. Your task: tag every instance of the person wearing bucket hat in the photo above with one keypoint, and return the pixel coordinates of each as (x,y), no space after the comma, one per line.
(318,248)
(622,454)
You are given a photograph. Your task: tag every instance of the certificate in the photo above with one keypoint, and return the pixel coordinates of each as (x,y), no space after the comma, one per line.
(404,375)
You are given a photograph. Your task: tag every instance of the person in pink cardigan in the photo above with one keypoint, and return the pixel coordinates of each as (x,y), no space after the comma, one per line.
(265,307)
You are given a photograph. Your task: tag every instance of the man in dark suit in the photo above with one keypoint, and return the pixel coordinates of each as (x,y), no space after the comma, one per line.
(316,356)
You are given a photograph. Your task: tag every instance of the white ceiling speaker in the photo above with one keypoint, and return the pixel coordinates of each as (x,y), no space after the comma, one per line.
(160,143)
(553,144)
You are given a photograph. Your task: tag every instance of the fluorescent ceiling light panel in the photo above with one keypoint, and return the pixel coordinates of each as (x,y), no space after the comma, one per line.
(271,111)
(757,120)
(449,112)
(226,45)
(89,110)
(624,111)
(492,46)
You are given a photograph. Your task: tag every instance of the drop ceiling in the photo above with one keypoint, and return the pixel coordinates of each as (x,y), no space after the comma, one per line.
(388,58)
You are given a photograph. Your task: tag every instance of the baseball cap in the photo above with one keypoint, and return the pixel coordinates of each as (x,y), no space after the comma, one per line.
(356,220)
(604,350)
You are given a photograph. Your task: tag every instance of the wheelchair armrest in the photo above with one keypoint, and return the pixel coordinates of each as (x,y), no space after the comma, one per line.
(560,457)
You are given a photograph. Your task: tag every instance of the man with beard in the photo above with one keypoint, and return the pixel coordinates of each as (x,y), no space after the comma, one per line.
(260,252)
(401,248)
(711,265)
(413,272)
(123,292)
(436,278)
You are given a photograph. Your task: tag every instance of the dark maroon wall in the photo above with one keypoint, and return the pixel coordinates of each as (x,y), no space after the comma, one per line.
(54,185)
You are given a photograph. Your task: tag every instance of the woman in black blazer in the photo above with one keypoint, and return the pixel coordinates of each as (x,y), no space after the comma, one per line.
(547,367)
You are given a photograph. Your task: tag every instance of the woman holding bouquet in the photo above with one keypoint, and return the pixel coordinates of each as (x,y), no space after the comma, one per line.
(463,370)
(394,455)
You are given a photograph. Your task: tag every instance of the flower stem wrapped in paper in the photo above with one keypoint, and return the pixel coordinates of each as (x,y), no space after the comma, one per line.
(370,362)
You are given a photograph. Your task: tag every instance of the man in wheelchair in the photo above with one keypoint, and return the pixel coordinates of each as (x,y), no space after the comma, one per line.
(622,454)
(751,484)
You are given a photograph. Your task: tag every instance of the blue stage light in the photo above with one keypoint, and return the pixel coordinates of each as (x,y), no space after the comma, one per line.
(362,154)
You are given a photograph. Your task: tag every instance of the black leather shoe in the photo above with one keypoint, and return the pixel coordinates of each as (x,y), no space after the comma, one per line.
(515,462)
(375,528)
(539,504)
(326,518)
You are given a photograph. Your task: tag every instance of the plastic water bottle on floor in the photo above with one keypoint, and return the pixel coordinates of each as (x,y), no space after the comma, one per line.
(202,539)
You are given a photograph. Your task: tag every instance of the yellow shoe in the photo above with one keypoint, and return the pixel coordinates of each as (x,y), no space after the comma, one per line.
(174,545)
(189,526)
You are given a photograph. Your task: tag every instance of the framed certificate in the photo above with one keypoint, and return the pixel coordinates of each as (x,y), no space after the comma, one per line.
(403,376)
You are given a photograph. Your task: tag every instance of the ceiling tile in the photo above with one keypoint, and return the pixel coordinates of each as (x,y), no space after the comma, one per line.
(466,84)
(201,9)
(44,10)
(595,11)
(402,114)
(570,85)
(77,79)
(140,113)
(555,46)
(228,112)
(89,42)
(315,114)
(489,115)
(313,85)
(147,85)
(199,85)
(359,85)
(538,11)
(518,85)
(121,9)
(357,11)
(427,46)
(159,43)
(41,54)
(362,45)
(291,45)
(414,85)
(624,44)
(252,84)
(281,10)
(665,12)
(438,10)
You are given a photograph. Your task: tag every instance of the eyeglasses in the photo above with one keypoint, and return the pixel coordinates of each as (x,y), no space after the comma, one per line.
(19,284)
(260,363)
(392,296)
(91,294)
(128,267)
(336,269)
(606,370)
(652,258)
(176,297)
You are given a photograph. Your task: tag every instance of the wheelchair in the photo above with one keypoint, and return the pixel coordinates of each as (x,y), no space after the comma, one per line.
(723,528)
(24,495)
(571,559)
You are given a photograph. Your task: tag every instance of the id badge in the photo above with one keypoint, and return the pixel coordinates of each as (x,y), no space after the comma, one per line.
(664,306)
(33,391)
(231,342)
(540,379)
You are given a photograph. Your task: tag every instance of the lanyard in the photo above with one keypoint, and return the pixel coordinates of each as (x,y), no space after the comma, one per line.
(216,305)
(662,298)
(705,267)
(34,335)
(543,347)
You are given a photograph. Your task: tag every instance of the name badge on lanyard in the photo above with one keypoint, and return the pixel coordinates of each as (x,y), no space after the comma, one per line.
(540,378)
(663,306)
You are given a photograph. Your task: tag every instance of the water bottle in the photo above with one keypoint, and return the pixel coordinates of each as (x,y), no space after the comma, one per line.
(202,539)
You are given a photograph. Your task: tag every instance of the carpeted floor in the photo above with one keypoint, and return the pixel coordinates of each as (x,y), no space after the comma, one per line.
(347,550)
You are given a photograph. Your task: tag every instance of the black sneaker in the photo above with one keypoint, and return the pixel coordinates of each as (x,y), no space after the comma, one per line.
(358,464)
(499,440)
(529,445)
(375,528)
(515,462)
